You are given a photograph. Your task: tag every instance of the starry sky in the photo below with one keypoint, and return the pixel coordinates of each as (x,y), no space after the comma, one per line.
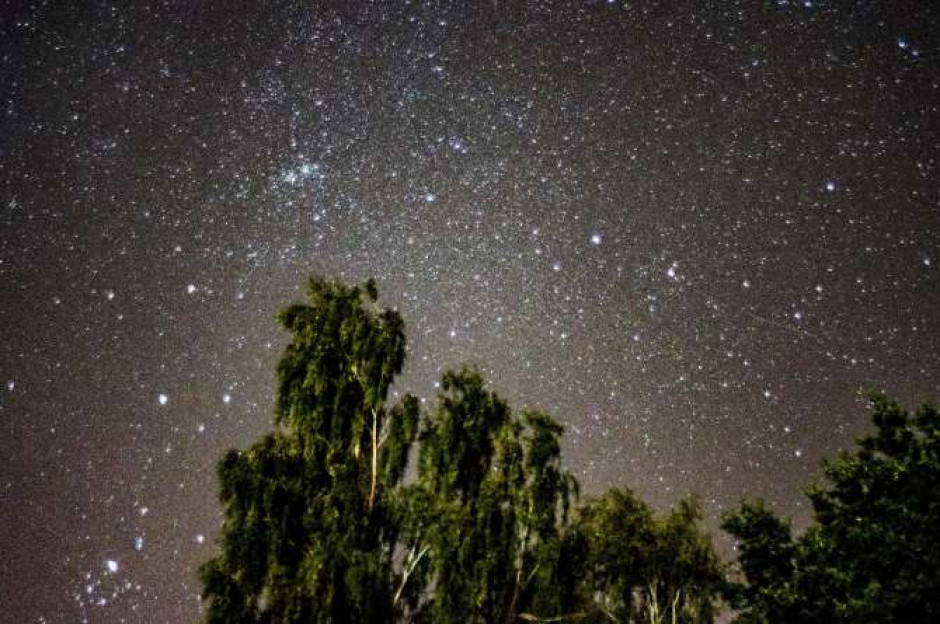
(692,231)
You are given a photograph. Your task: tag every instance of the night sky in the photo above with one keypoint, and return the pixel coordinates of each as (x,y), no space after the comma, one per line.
(691,231)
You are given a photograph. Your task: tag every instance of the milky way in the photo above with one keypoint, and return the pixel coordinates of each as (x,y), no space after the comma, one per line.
(691,231)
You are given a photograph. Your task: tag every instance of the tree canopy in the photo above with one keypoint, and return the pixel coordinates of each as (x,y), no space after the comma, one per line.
(872,552)
(354,509)
(308,533)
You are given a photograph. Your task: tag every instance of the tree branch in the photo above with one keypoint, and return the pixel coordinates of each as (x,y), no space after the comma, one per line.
(674,603)
(375,456)
(410,566)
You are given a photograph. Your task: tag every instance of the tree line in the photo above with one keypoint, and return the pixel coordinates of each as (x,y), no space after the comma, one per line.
(355,510)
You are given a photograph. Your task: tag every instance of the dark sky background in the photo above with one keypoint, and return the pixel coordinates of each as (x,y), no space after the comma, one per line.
(692,231)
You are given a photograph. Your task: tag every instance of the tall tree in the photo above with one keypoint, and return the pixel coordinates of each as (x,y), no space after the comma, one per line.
(872,553)
(308,534)
(487,505)
(319,527)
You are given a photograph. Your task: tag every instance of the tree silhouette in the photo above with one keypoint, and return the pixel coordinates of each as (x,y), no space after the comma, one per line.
(872,553)
(487,506)
(646,569)
(307,533)
(321,526)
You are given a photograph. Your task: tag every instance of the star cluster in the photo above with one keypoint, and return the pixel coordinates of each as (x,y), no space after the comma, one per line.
(693,232)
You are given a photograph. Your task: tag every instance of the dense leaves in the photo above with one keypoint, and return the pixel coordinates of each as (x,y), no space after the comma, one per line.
(319,526)
(493,502)
(309,532)
(644,569)
(356,511)
(872,553)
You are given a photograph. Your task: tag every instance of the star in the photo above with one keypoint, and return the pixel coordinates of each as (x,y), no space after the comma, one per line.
(717,249)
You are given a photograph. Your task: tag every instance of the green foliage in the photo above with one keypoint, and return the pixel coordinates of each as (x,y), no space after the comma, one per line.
(320,528)
(765,557)
(647,569)
(307,535)
(872,553)
(492,498)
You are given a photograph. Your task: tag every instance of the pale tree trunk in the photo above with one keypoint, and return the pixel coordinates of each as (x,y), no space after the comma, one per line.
(652,603)
(675,618)
(375,457)
(511,613)
(375,443)
(410,566)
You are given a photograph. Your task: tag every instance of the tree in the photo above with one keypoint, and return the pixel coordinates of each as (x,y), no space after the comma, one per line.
(643,568)
(321,527)
(765,557)
(487,507)
(307,533)
(871,553)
